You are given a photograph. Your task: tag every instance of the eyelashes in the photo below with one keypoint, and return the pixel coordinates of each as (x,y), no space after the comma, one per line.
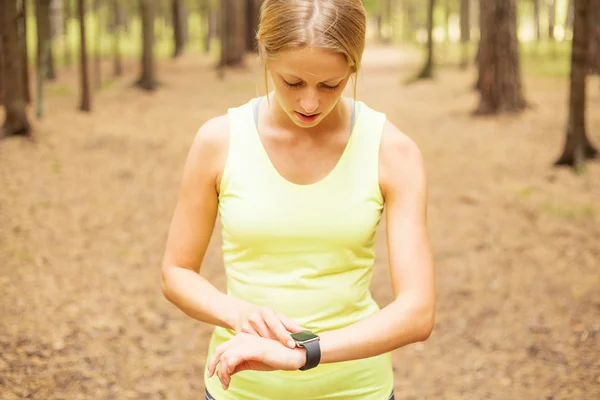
(299,84)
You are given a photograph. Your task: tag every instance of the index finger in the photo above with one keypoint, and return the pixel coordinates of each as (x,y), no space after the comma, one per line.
(278,329)
(289,324)
(212,364)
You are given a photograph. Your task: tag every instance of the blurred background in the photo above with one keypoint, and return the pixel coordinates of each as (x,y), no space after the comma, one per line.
(100,103)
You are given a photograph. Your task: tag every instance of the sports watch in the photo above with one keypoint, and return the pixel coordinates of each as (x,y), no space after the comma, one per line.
(310,342)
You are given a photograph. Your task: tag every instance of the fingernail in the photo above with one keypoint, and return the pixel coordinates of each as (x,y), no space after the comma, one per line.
(291,343)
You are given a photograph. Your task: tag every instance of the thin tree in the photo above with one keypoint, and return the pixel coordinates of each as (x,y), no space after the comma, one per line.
(16,121)
(499,64)
(147,80)
(24,50)
(577,146)
(68,14)
(42,12)
(252,20)
(410,24)
(45,61)
(233,46)
(86,101)
(118,67)
(427,71)
(389,12)
(537,31)
(551,18)
(98,45)
(465,31)
(570,16)
(177,13)
(594,52)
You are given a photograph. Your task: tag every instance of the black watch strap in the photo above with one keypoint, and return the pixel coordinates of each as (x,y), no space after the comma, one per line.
(313,354)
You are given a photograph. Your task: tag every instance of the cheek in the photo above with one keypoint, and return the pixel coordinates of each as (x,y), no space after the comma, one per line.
(284,94)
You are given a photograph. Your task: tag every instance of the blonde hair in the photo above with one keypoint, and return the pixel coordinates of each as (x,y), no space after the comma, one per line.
(335,25)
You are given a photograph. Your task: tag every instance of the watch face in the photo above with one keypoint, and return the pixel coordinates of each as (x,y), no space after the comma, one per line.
(303,336)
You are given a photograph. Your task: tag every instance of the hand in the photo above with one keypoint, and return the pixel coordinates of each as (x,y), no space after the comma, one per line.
(248,352)
(266,323)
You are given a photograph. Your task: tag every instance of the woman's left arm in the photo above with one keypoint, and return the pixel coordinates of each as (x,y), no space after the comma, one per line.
(410,317)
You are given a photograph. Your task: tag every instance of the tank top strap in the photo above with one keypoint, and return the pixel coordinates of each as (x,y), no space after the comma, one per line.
(242,146)
(363,157)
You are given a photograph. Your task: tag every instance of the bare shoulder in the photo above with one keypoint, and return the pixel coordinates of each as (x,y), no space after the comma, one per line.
(213,135)
(400,160)
(209,148)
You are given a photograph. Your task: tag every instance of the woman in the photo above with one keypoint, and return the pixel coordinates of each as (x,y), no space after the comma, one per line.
(300,179)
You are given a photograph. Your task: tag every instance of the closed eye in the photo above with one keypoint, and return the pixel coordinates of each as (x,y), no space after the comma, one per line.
(294,85)
(299,84)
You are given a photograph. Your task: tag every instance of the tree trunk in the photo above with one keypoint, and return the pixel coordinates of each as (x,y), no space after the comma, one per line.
(536,20)
(178,16)
(210,20)
(427,71)
(53,26)
(389,13)
(465,32)
(594,52)
(410,24)
(16,121)
(551,18)
(147,80)
(233,43)
(68,59)
(499,64)
(1,63)
(577,145)
(24,51)
(118,66)
(252,20)
(448,14)
(98,46)
(44,59)
(86,101)
(570,16)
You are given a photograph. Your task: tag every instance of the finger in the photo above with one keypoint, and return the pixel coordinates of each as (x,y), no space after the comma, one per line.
(289,324)
(223,373)
(257,322)
(279,330)
(232,364)
(215,359)
(247,328)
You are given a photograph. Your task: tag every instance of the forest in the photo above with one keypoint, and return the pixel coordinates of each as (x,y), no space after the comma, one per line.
(99,104)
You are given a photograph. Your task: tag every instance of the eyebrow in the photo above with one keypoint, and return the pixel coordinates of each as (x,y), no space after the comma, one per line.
(327,80)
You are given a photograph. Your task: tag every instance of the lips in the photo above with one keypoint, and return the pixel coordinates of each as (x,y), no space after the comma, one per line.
(307,118)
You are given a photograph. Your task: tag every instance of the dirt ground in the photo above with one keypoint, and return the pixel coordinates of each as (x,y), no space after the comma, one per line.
(85,208)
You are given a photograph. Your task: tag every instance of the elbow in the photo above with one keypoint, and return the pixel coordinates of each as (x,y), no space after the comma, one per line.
(165,282)
(427,318)
(423,317)
(426,331)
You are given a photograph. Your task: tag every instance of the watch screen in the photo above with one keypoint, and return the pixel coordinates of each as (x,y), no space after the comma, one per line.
(302,336)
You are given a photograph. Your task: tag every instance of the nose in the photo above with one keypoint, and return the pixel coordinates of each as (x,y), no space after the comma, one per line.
(309,101)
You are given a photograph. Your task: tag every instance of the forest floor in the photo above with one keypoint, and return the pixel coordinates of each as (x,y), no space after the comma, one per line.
(85,207)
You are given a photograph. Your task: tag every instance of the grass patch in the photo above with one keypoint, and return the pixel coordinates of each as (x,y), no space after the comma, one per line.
(57,90)
(526,192)
(575,212)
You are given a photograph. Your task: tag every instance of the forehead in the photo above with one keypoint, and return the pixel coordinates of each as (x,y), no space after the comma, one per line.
(311,63)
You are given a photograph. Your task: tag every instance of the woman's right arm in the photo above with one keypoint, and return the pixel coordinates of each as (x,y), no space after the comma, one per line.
(191,228)
(188,238)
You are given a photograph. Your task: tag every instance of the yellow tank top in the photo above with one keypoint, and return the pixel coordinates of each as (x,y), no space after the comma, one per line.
(305,251)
